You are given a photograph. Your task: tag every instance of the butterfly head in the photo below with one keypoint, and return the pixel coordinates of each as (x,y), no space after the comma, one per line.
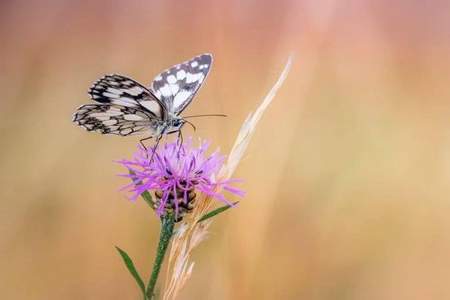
(175,124)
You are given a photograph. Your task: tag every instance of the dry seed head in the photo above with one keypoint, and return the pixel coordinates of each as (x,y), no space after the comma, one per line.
(180,266)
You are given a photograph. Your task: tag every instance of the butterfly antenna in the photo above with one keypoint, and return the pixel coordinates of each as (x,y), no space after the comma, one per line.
(208,115)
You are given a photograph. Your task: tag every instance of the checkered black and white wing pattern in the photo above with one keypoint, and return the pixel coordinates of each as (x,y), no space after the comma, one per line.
(114,119)
(177,86)
(123,91)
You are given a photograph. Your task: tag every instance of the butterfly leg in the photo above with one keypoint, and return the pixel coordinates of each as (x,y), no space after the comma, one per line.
(180,138)
(141,141)
(179,141)
(158,139)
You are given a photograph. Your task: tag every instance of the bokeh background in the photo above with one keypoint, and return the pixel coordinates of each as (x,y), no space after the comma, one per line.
(347,177)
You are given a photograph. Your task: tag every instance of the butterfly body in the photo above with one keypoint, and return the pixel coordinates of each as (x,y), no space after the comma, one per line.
(171,125)
(125,107)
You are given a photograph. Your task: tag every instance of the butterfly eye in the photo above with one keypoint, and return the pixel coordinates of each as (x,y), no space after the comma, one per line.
(177,122)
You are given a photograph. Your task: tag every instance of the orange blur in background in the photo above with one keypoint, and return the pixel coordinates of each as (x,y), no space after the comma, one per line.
(347,176)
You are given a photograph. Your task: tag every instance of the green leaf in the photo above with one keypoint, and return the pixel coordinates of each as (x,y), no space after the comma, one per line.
(130,266)
(216,212)
(145,195)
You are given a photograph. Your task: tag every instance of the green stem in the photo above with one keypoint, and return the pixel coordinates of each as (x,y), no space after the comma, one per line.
(167,225)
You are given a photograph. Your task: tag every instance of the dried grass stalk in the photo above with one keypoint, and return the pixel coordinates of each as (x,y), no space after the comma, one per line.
(190,233)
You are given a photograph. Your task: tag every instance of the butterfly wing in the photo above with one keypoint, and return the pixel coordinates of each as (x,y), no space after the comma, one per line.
(123,91)
(114,119)
(177,86)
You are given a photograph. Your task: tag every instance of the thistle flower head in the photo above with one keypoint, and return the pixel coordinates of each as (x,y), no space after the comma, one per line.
(174,173)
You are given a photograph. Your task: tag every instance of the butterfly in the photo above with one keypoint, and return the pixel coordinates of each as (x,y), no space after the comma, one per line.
(125,107)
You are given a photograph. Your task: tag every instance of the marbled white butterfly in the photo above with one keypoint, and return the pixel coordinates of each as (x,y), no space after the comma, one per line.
(126,107)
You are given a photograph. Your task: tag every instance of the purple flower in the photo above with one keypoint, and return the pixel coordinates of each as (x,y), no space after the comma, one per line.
(174,173)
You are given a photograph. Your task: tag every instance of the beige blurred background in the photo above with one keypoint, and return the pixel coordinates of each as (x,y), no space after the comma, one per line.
(347,177)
